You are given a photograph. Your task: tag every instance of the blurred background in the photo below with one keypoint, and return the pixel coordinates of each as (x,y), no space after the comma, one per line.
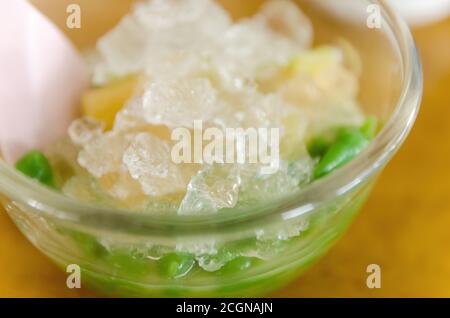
(405,226)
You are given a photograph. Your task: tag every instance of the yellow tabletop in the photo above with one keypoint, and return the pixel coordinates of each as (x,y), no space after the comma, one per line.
(405,226)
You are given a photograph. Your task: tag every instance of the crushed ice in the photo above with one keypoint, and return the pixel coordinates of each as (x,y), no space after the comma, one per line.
(201,65)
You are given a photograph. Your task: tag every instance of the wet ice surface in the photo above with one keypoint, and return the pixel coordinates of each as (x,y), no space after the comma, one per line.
(84,129)
(178,103)
(213,188)
(170,38)
(258,189)
(148,161)
(198,64)
(267,244)
(103,155)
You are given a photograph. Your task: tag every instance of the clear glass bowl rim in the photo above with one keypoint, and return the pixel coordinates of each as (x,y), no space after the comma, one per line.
(55,205)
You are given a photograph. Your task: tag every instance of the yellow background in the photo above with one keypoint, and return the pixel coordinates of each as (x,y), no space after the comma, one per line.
(405,226)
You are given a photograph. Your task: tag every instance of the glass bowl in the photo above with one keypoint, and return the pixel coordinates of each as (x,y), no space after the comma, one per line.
(252,252)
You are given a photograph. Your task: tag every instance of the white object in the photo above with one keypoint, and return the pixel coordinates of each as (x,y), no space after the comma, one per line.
(416,12)
(41,79)
(419,12)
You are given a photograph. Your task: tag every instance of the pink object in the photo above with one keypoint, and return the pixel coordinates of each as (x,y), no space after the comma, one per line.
(41,79)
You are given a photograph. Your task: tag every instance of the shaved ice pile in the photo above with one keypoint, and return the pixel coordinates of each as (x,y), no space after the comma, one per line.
(191,62)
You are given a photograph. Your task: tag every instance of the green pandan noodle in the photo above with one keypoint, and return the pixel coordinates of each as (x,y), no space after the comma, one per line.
(335,152)
(176,265)
(35,165)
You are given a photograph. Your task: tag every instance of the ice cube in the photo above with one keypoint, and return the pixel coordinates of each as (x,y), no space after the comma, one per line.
(167,14)
(247,50)
(122,186)
(120,51)
(211,263)
(178,103)
(250,109)
(115,190)
(280,232)
(286,18)
(253,125)
(261,111)
(148,160)
(198,246)
(131,117)
(215,187)
(300,170)
(247,46)
(103,155)
(161,37)
(287,180)
(85,129)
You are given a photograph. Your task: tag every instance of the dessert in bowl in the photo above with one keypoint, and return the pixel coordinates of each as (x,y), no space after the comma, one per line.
(216,155)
